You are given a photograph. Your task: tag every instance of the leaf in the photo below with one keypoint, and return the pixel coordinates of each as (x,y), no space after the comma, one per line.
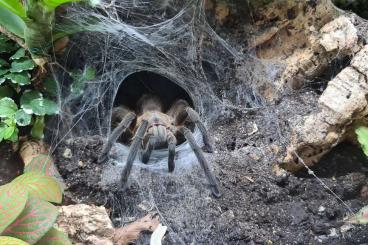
(34,222)
(360,218)
(21,78)
(3,63)
(19,54)
(3,71)
(80,78)
(41,163)
(52,4)
(50,86)
(7,107)
(14,6)
(22,65)
(5,91)
(28,96)
(6,46)
(38,126)
(54,237)
(14,136)
(43,107)
(8,132)
(7,240)
(13,199)
(12,22)
(362,133)
(22,118)
(40,186)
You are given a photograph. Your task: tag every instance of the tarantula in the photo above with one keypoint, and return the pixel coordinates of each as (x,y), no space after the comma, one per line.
(155,129)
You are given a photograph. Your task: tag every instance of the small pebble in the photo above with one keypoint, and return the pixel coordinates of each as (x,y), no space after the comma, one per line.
(68,153)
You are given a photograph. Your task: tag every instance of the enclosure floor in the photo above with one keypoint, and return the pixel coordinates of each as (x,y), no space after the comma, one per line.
(256,206)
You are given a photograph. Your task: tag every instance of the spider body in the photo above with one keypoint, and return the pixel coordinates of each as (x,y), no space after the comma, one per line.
(151,128)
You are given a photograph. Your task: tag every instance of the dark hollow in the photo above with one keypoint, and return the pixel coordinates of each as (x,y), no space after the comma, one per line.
(144,82)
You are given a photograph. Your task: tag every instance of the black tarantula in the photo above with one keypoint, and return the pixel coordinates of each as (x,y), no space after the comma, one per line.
(155,129)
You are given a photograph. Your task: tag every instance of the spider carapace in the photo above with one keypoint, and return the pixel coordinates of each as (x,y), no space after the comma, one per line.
(151,128)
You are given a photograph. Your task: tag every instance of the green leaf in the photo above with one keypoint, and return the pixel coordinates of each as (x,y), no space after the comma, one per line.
(22,78)
(22,118)
(22,65)
(6,91)
(14,6)
(19,54)
(52,4)
(50,86)
(7,240)
(12,22)
(34,222)
(43,107)
(362,133)
(6,46)
(3,71)
(13,199)
(8,132)
(28,96)
(37,129)
(43,164)
(80,78)
(3,63)
(41,186)
(14,136)
(54,237)
(7,107)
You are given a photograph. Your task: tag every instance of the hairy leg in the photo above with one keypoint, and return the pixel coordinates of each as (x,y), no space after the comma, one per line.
(171,142)
(133,150)
(147,152)
(194,117)
(202,160)
(123,125)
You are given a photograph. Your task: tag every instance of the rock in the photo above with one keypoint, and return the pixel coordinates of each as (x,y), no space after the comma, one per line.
(86,224)
(343,99)
(68,153)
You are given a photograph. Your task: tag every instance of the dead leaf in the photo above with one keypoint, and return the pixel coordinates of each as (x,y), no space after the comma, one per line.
(131,232)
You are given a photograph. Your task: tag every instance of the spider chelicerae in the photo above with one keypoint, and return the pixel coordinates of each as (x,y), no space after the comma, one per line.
(151,128)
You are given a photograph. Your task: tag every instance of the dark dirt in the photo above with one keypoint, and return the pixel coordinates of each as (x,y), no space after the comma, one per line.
(10,164)
(257,207)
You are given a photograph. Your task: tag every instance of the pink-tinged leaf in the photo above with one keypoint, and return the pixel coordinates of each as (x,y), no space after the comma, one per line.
(13,199)
(41,186)
(34,222)
(7,240)
(54,237)
(43,164)
(360,218)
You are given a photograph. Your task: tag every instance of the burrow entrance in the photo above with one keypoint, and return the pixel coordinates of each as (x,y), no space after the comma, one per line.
(144,82)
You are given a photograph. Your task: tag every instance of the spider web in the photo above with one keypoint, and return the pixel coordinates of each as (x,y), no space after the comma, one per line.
(173,39)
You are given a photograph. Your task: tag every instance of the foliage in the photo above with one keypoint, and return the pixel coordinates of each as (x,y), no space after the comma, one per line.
(25,211)
(80,77)
(20,105)
(362,134)
(33,21)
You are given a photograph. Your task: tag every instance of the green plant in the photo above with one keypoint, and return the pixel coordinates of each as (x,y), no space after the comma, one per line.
(26,214)
(362,135)
(31,24)
(20,104)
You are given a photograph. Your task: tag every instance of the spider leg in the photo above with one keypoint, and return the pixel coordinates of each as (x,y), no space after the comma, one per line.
(202,160)
(171,142)
(147,152)
(194,117)
(133,150)
(123,125)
